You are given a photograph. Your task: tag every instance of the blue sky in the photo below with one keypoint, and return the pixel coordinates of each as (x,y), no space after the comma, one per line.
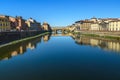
(60,12)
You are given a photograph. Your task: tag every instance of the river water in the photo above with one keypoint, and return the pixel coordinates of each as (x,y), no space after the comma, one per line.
(61,57)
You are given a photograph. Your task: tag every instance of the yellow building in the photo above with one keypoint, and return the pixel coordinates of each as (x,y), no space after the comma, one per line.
(114,25)
(4,24)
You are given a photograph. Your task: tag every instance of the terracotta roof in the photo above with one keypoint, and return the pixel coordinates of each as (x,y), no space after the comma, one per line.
(88,22)
(109,19)
(115,21)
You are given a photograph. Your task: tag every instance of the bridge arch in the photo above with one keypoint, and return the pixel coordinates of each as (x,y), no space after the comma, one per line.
(62,29)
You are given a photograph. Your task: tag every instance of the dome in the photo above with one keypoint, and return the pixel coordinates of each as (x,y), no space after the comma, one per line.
(45,23)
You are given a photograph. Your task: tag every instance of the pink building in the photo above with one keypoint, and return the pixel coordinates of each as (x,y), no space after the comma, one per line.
(21,24)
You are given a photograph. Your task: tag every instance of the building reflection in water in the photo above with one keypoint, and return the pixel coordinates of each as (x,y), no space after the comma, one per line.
(20,48)
(46,37)
(110,45)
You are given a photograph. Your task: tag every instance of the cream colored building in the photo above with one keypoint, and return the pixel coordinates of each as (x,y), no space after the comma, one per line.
(99,26)
(114,25)
(85,25)
(33,25)
(94,27)
(46,26)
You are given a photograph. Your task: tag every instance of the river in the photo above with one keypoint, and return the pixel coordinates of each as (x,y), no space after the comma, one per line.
(61,57)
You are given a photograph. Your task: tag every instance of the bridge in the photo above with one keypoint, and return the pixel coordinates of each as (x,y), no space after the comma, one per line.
(66,34)
(62,29)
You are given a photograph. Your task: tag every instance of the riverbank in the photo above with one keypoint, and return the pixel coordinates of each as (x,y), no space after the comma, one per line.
(106,35)
(24,39)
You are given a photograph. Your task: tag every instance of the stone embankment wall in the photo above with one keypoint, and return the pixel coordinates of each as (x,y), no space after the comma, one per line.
(103,33)
(6,37)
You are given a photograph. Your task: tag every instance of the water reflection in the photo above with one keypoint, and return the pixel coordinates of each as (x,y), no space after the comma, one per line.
(46,38)
(20,48)
(64,34)
(106,44)
(110,45)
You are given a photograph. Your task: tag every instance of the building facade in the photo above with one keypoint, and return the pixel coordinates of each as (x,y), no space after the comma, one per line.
(4,24)
(85,25)
(114,25)
(103,26)
(100,24)
(33,25)
(21,23)
(46,27)
(94,27)
(13,22)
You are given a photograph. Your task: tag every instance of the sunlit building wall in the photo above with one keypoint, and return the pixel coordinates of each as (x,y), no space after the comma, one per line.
(4,24)
(114,25)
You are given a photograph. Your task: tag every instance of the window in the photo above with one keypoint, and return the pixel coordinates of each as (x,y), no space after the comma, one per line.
(116,24)
(113,25)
